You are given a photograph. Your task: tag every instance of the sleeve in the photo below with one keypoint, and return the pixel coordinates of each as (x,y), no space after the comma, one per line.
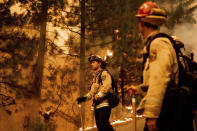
(106,85)
(92,91)
(142,89)
(160,74)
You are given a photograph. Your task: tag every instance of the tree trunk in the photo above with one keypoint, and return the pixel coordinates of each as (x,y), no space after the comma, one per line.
(41,52)
(82,56)
(122,83)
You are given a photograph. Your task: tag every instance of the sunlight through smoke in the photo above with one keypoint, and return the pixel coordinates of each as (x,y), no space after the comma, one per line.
(16,8)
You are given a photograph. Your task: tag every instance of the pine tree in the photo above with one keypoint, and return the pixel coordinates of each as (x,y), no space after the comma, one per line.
(179,11)
(38,13)
(25,52)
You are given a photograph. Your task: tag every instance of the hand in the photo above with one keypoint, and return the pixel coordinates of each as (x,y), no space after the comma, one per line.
(135,88)
(81,99)
(151,124)
(132,89)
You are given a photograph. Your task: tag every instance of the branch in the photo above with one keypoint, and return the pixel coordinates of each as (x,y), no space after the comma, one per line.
(72,55)
(67,27)
(76,14)
(60,97)
(10,100)
(57,47)
(12,84)
(53,44)
(69,118)
(65,116)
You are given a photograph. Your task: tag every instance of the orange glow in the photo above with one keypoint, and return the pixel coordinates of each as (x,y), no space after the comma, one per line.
(109,53)
(17,9)
(116,31)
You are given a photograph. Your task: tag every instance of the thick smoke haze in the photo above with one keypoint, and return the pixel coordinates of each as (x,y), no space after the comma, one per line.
(187,33)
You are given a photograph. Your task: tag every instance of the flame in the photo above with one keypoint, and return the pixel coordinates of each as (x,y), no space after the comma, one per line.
(116,31)
(109,53)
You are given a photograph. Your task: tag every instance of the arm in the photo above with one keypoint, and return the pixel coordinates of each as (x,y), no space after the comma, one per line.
(92,91)
(160,69)
(139,89)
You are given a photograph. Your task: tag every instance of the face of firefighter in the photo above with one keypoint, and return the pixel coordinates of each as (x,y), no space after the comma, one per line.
(95,65)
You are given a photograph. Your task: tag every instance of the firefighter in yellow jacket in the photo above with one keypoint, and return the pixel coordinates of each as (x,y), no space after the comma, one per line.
(160,67)
(99,90)
(160,73)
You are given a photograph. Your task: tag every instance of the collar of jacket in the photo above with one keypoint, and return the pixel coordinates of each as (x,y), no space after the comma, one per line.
(96,73)
(152,34)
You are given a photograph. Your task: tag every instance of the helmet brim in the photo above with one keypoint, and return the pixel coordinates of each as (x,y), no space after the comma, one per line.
(154,20)
(94,58)
(140,15)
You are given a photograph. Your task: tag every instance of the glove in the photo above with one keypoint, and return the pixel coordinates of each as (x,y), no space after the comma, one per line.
(81,99)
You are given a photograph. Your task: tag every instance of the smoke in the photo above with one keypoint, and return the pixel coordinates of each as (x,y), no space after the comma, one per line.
(187,34)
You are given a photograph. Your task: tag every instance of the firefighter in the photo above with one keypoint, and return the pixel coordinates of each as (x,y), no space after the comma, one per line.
(160,71)
(98,92)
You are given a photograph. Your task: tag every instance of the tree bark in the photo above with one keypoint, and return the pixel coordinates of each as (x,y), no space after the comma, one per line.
(122,83)
(41,52)
(82,57)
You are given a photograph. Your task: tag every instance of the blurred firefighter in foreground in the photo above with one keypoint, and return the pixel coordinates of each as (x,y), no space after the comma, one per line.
(160,72)
(98,92)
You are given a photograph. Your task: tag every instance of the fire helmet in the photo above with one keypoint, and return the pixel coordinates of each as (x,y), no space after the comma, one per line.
(97,58)
(150,12)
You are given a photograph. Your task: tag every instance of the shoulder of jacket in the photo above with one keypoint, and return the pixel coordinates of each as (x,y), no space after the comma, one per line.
(105,72)
(161,42)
